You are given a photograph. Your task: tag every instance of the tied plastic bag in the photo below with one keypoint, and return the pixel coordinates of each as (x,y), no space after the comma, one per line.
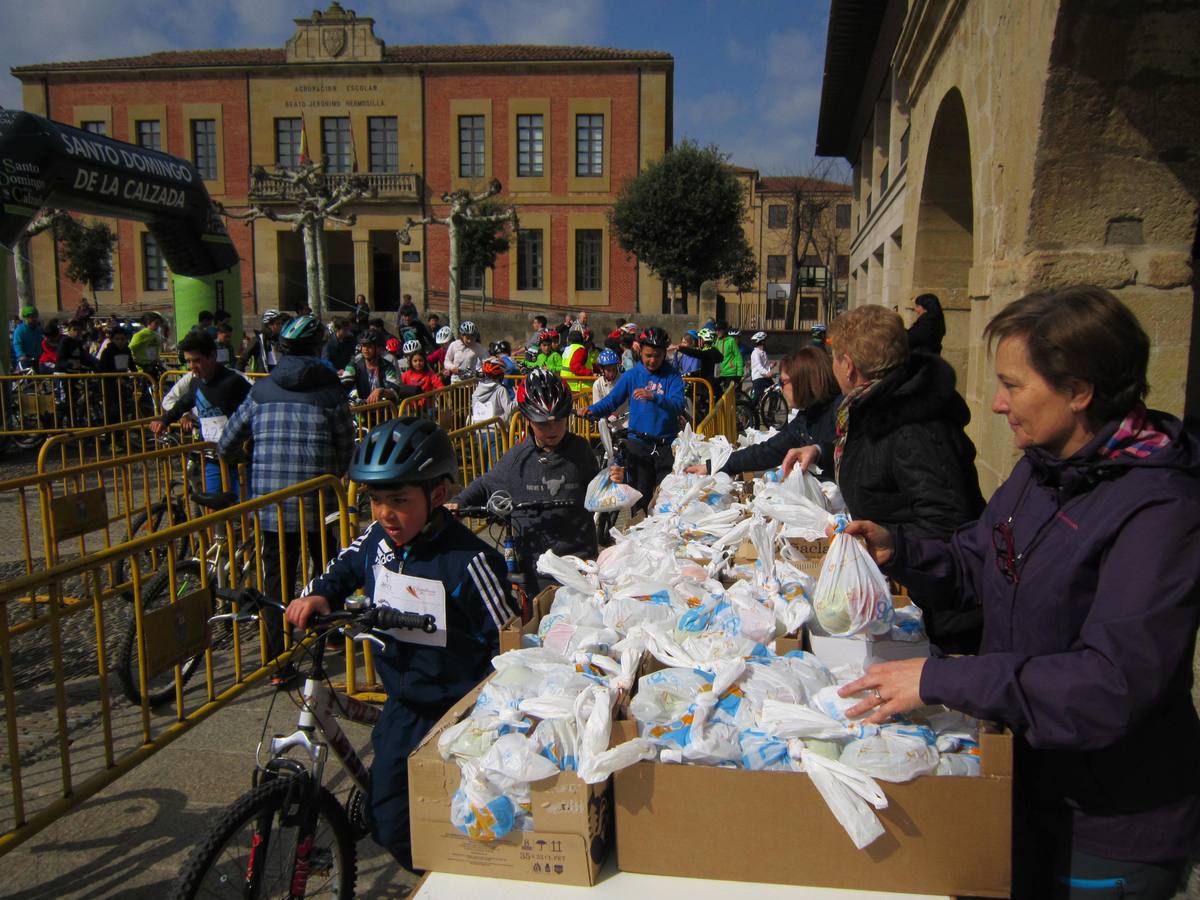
(852,595)
(850,796)
(605,495)
(898,753)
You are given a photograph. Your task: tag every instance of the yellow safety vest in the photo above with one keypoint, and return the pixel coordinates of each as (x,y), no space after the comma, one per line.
(577,384)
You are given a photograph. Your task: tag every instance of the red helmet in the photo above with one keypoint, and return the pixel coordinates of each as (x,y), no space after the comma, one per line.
(547,335)
(493,367)
(393,345)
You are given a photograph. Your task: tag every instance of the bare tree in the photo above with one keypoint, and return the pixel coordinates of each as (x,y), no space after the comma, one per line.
(463,210)
(48,219)
(317,202)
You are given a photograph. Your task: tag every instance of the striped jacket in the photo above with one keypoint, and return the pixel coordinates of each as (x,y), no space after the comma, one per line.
(478,603)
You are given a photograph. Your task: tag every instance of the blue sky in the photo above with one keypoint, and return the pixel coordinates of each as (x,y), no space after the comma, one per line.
(747,72)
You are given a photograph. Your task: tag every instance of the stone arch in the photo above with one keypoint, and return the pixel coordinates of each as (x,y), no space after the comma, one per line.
(944,249)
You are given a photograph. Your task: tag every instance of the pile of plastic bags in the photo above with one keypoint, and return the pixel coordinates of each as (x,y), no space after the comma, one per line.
(669,589)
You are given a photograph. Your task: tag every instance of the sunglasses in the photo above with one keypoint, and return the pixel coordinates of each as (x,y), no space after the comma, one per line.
(1006,551)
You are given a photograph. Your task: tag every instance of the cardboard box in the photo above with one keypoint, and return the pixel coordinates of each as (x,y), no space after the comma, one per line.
(514,629)
(841,651)
(944,835)
(573,822)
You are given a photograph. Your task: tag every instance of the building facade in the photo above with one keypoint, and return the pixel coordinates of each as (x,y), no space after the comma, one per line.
(562,128)
(798,229)
(1004,148)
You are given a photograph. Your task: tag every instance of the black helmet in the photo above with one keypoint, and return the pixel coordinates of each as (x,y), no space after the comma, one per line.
(654,337)
(410,450)
(500,348)
(547,397)
(301,335)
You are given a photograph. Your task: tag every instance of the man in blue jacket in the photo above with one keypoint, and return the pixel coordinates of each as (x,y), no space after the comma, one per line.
(414,548)
(27,339)
(654,390)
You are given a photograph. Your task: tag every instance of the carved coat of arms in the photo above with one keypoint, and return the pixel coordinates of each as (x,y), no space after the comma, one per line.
(333,39)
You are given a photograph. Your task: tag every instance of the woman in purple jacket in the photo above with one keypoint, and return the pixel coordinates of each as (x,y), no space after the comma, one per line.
(1086,563)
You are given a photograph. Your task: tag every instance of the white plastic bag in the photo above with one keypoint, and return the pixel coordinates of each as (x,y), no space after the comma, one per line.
(896,754)
(850,796)
(852,596)
(605,495)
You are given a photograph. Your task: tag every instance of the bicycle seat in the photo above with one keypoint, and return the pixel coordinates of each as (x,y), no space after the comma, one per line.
(217,500)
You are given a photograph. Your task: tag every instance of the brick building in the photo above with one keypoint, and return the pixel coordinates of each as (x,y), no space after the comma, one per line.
(561,127)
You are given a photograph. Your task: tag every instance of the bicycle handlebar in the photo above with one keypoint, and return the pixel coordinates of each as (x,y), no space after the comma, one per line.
(484,512)
(371,617)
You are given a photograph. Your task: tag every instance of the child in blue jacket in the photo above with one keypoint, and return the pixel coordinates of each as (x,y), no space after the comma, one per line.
(407,466)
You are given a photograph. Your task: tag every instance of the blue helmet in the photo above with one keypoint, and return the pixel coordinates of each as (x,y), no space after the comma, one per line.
(607,358)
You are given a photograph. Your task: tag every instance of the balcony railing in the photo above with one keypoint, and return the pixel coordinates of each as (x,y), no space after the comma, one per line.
(385,186)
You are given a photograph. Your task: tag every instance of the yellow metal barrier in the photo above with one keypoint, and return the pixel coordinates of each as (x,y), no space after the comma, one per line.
(32,406)
(368,415)
(167,379)
(722,419)
(65,736)
(449,406)
(97,505)
(79,447)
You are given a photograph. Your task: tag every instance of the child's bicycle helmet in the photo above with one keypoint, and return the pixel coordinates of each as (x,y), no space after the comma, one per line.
(409,450)
(546,398)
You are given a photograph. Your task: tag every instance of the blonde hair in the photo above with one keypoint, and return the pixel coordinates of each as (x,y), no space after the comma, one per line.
(872,336)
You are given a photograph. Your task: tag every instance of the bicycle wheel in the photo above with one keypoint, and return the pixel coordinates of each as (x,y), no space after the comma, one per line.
(773,410)
(746,416)
(153,559)
(257,836)
(156,593)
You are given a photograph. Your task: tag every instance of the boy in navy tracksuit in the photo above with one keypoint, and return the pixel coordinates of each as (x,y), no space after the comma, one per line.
(654,390)
(408,466)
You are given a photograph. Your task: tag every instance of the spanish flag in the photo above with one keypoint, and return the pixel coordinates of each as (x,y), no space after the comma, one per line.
(304,160)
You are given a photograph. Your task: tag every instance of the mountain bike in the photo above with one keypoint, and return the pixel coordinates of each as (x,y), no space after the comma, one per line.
(29,408)
(499,511)
(289,836)
(773,408)
(220,567)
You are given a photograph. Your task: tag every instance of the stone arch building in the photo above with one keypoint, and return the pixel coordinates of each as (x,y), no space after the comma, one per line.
(999,148)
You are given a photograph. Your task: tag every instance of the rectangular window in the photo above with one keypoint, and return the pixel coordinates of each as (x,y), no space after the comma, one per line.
(287,142)
(589,145)
(530,146)
(808,309)
(204,147)
(336,144)
(530,257)
(94,127)
(149,134)
(776,267)
(776,307)
(589,259)
(470,278)
(470,146)
(843,265)
(777,216)
(385,146)
(843,215)
(154,267)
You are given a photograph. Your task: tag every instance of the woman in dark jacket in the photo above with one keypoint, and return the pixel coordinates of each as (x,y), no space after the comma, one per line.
(926,333)
(806,379)
(901,456)
(1086,568)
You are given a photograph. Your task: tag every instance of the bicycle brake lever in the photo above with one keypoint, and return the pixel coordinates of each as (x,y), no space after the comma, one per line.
(239,618)
(367,638)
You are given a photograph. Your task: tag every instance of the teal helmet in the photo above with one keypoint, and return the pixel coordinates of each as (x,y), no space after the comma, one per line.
(408,450)
(302,336)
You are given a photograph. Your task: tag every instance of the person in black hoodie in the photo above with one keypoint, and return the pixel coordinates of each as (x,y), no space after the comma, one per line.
(807,381)
(551,463)
(926,332)
(901,455)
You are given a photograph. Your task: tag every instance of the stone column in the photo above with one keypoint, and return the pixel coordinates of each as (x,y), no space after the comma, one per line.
(364,282)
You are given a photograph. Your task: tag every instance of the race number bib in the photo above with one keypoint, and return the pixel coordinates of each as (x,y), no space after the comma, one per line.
(212,427)
(407,593)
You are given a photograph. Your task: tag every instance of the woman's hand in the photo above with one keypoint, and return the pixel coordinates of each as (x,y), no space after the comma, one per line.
(893,688)
(616,474)
(300,610)
(697,470)
(878,539)
(804,457)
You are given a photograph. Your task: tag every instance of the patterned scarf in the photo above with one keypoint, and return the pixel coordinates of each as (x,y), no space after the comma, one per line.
(1133,437)
(842,424)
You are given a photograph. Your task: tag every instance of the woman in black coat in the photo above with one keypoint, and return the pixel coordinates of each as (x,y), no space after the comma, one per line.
(901,454)
(926,332)
(806,379)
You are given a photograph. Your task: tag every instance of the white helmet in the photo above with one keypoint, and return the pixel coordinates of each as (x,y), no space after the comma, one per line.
(467,327)
(410,347)
(759,337)
(271,315)
(443,335)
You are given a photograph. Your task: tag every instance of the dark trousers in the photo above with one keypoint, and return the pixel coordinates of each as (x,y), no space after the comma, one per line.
(396,735)
(646,465)
(758,386)
(279,576)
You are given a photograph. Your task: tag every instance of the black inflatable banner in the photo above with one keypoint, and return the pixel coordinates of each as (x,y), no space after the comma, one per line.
(48,164)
